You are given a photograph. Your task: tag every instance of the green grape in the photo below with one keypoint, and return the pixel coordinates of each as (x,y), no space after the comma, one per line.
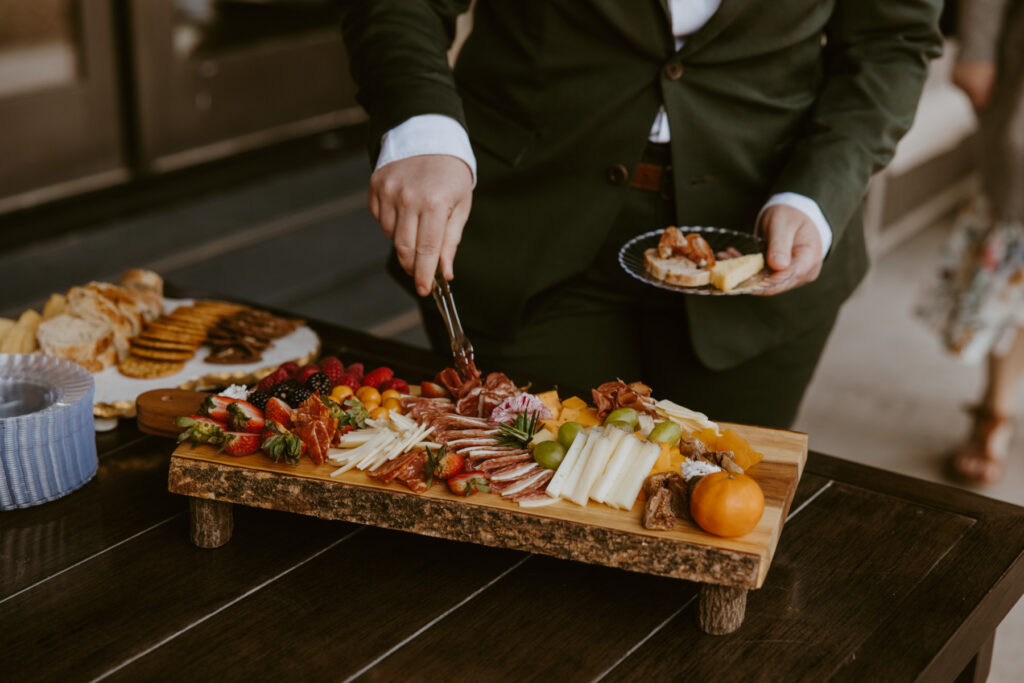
(567,433)
(549,454)
(666,432)
(623,415)
(621,424)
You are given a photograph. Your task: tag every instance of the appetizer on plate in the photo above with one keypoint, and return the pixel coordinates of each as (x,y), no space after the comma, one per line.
(689,261)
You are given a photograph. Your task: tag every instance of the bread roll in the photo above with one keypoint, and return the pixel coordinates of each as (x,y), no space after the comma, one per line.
(86,302)
(138,278)
(54,306)
(77,339)
(676,270)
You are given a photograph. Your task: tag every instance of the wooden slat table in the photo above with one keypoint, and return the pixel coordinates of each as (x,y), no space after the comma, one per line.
(876,577)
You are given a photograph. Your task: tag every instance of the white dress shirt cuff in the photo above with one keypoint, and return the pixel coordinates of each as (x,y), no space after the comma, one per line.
(809,208)
(427,134)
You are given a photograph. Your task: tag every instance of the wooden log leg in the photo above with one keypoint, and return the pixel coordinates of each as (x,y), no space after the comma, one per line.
(720,609)
(210,522)
(977,669)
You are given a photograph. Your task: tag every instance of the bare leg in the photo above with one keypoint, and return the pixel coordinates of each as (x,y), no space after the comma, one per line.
(982,458)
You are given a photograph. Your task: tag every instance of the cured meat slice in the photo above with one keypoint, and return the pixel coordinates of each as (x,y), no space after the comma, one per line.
(508,489)
(413,472)
(461,443)
(504,461)
(387,471)
(317,440)
(535,488)
(514,471)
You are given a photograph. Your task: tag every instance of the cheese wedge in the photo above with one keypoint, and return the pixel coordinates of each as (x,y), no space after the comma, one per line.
(725,275)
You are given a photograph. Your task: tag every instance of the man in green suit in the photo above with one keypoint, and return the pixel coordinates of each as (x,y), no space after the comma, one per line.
(590,121)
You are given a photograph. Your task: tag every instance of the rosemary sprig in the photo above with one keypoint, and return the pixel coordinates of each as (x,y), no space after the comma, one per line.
(520,432)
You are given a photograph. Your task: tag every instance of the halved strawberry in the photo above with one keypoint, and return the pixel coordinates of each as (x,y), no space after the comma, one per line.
(443,464)
(216,407)
(432,390)
(193,419)
(271,429)
(201,432)
(377,377)
(240,443)
(286,446)
(468,483)
(279,411)
(245,417)
(398,385)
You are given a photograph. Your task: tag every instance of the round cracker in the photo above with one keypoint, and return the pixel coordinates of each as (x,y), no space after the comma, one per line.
(160,354)
(141,368)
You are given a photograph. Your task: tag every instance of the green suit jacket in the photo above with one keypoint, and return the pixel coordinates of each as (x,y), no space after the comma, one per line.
(807,96)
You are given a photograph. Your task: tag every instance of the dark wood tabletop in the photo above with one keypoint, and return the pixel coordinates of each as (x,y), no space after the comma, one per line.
(876,577)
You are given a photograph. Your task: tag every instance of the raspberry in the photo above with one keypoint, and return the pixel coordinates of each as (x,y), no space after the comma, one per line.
(305,372)
(398,385)
(290,367)
(350,381)
(331,361)
(377,377)
(335,372)
(268,382)
(356,369)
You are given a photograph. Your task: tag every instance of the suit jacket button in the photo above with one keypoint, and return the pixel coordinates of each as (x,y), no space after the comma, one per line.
(617,174)
(674,71)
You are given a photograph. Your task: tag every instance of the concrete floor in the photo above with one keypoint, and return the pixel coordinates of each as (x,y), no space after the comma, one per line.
(887,395)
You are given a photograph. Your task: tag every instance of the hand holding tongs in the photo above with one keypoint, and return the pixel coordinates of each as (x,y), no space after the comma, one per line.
(461,348)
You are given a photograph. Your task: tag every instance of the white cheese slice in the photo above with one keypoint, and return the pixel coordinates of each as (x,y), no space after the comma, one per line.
(641,466)
(613,472)
(557,483)
(598,461)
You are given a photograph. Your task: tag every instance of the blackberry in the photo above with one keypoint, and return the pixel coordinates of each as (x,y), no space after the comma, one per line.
(298,396)
(258,398)
(319,381)
(284,390)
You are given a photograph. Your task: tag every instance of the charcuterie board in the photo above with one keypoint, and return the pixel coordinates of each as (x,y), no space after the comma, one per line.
(596,534)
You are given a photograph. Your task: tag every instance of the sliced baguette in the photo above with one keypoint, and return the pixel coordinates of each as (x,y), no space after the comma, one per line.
(727,274)
(77,339)
(6,325)
(676,270)
(86,302)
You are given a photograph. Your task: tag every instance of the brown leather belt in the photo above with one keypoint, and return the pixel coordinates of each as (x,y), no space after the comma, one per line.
(653,177)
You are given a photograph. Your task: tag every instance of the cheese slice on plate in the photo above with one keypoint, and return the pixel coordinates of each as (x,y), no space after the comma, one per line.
(725,275)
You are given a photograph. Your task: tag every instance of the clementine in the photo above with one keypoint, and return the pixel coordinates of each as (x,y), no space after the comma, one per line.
(727,504)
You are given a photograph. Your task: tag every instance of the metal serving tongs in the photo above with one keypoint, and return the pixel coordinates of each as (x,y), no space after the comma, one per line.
(462,349)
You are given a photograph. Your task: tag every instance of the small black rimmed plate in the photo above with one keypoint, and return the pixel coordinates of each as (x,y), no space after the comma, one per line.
(631,258)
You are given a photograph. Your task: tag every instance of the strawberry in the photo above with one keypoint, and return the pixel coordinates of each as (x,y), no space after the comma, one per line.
(290,368)
(272,428)
(432,390)
(468,483)
(272,380)
(398,385)
(305,372)
(193,419)
(245,417)
(285,446)
(444,465)
(331,362)
(377,377)
(355,369)
(201,432)
(279,411)
(216,407)
(240,443)
(334,372)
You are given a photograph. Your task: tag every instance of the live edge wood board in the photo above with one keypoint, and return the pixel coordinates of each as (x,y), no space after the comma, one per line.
(596,533)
